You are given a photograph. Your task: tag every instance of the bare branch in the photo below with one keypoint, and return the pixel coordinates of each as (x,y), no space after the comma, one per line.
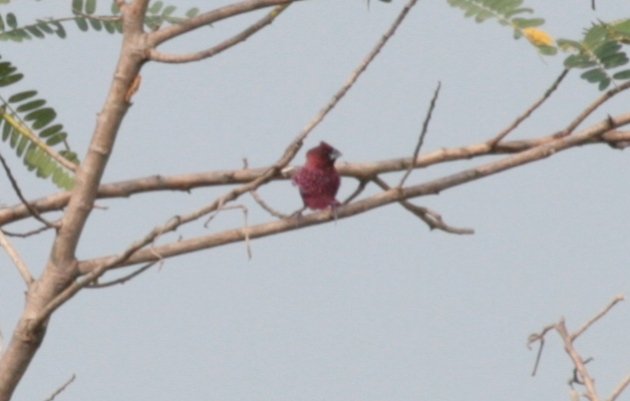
(362,184)
(18,192)
(580,365)
(431,218)
(423,133)
(360,171)
(594,106)
(620,388)
(580,375)
(386,197)
(266,207)
(156,38)
(601,314)
(17,260)
(27,233)
(62,388)
(156,55)
(530,110)
(124,279)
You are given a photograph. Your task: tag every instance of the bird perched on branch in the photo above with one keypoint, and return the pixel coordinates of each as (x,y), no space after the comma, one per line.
(318,180)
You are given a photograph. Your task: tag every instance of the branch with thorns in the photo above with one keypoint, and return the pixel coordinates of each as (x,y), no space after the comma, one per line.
(581,375)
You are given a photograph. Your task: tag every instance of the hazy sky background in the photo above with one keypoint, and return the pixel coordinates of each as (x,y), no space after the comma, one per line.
(371,308)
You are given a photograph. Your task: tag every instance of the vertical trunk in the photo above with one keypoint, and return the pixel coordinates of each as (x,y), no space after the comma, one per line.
(61,269)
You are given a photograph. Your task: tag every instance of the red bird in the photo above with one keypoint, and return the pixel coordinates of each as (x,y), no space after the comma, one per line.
(318,180)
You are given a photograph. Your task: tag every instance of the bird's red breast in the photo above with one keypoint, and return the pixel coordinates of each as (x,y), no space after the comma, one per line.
(318,180)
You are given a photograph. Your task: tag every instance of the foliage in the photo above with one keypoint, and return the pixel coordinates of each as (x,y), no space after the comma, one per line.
(600,52)
(34,144)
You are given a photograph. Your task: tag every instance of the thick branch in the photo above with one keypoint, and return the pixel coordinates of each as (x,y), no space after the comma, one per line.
(61,268)
(186,182)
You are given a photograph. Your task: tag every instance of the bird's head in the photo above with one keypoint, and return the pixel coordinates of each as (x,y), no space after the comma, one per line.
(323,155)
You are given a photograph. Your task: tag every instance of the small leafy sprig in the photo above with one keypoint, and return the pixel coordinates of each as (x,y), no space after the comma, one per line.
(26,123)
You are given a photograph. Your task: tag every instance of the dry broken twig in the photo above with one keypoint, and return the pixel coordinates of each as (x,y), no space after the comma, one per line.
(581,375)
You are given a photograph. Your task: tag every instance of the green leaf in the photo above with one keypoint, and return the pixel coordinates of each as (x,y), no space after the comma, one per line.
(96,24)
(33,30)
(44,27)
(10,79)
(90,7)
(41,117)
(32,105)
(81,23)
(56,139)
(6,68)
(168,11)
(77,6)
(155,7)
(61,31)
(614,60)
(593,75)
(110,27)
(6,130)
(53,129)
(604,83)
(578,61)
(19,97)
(547,50)
(528,22)
(622,75)
(11,21)
(192,12)
(22,145)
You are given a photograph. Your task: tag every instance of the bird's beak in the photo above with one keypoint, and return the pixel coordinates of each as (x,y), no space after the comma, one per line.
(335,154)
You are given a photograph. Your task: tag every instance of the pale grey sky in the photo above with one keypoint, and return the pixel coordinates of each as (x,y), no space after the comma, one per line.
(371,308)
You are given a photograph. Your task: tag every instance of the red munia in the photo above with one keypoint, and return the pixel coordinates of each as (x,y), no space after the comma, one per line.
(318,180)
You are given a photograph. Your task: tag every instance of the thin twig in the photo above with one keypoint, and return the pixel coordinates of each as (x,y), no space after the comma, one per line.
(356,192)
(431,218)
(124,279)
(620,388)
(62,388)
(601,314)
(17,260)
(592,107)
(18,192)
(584,375)
(231,10)
(265,206)
(27,233)
(423,133)
(156,55)
(580,374)
(493,142)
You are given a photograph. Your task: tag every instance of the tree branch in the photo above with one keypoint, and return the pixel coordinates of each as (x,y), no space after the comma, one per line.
(156,55)
(501,135)
(360,171)
(581,374)
(162,35)
(381,199)
(17,260)
(423,133)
